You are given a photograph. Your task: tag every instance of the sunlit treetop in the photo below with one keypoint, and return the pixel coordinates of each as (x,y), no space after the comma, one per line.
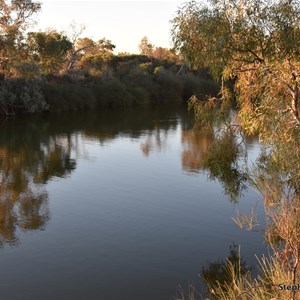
(256,45)
(14,19)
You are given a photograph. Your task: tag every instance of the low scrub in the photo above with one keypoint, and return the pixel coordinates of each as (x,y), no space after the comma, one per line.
(120,81)
(22,94)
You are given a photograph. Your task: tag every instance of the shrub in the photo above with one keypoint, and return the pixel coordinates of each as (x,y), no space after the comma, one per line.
(169,84)
(199,86)
(22,94)
(111,93)
(63,97)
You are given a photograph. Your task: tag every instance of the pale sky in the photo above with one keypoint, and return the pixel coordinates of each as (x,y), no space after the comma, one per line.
(122,22)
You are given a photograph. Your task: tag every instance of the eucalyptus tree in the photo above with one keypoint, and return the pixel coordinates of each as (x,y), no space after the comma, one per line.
(49,49)
(145,46)
(94,54)
(14,20)
(81,47)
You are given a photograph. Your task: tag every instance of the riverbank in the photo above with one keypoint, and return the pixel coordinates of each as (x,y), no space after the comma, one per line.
(120,83)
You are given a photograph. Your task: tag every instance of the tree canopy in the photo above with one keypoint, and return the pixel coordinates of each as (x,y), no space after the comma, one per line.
(48,49)
(256,45)
(14,18)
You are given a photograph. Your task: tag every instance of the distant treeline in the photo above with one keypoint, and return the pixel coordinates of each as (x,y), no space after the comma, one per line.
(120,80)
(54,71)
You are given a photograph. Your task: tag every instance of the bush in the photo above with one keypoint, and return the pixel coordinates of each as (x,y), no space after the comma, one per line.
(199,86)
(111,93)
(169,85)
(63,97)
(118,81)
(22,94)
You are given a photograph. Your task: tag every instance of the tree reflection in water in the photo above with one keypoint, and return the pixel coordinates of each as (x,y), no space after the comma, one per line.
(220,154)
(276,175)
(221,271)
(35,149)
(154,139)
(24,168)
(195,146)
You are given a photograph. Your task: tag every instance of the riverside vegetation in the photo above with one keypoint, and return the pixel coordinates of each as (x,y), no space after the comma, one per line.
(50,71)
(252,49)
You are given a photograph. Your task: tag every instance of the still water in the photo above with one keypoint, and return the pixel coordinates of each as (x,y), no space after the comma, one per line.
(112,205)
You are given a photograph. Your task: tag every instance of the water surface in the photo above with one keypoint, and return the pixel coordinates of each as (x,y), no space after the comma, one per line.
(112,205)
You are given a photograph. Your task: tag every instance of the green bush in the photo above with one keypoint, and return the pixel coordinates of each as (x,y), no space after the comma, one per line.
(139,95)
(111,93)
(199,86)
(69,96)
(22,94)
(122,80)
(169,85)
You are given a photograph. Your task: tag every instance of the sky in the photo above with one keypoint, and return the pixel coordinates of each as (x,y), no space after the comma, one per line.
(122,22)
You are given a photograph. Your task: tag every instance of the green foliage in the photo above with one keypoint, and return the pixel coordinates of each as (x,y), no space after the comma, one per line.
(5,96)
(199,86)
(91,54)
(87,46)
(105,45)
(14,19)
(199,33)
(111,93)
(170,85)
(92,61)
(49,49)
(255,45)
(30,95)
(68,96)
(85,74)
(22,94)
(112,89)
(25,69)
(118,60)
(209,112)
